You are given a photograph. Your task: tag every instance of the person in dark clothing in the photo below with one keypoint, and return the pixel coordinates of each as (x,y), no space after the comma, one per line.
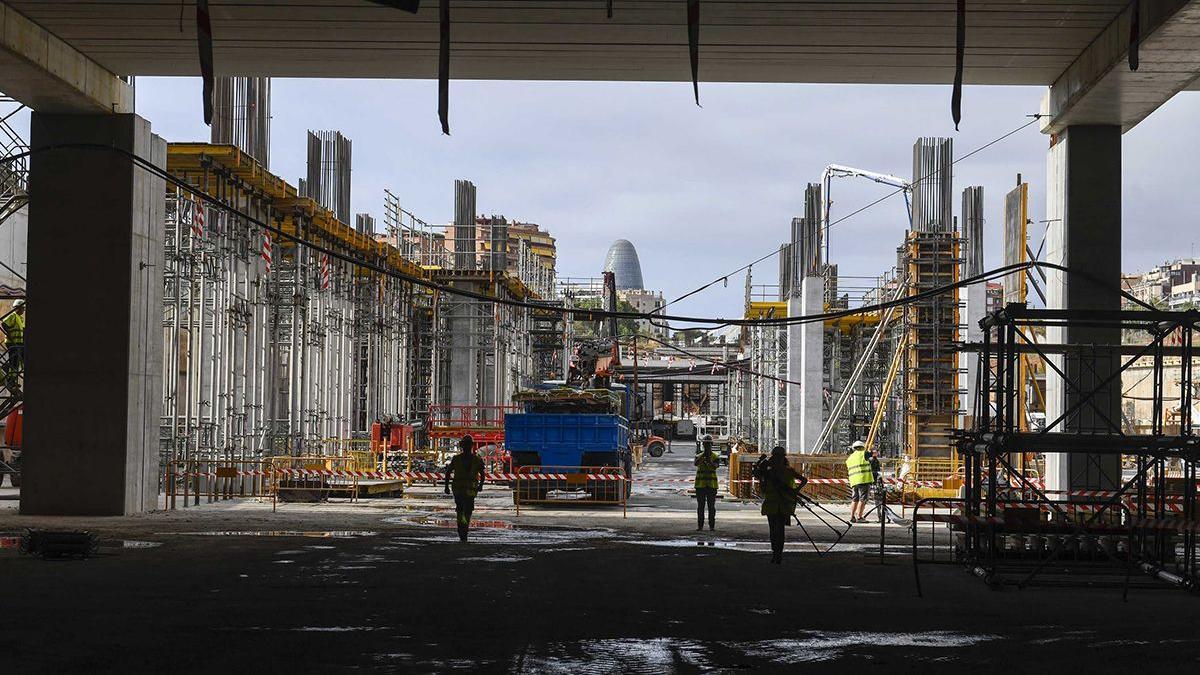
(706,484)
(780,485)
(465,473)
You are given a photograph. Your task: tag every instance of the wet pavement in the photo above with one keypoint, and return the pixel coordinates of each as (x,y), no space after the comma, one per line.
(385,586)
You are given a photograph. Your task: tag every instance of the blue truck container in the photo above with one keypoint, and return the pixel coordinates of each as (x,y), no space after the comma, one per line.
(566,439)
(563,442)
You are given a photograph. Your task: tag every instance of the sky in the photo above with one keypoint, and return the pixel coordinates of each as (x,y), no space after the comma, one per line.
(700,191)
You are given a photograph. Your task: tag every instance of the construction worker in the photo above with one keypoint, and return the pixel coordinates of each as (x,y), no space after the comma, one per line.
(465,473)
(14,346)
(780,485)
(706,483)
(858,466)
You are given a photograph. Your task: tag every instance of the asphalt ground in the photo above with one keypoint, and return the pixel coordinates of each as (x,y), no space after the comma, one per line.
(384,585)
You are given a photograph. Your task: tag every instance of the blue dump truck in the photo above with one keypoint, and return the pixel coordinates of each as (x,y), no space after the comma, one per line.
(573,434)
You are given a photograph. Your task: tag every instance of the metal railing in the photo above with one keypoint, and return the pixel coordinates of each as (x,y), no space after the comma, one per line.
(1018,543)
(468,419)
(214,480)
(316,476)
(606,485)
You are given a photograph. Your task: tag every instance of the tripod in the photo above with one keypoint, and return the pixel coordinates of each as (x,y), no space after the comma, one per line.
(809,503)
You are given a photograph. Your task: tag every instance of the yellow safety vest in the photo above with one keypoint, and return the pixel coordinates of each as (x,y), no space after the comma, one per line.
(706,470)
(14,329)
(465,481)
(859,468)
(779,492)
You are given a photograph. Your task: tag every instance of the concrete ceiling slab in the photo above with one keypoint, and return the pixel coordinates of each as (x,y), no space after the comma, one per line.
(851,41)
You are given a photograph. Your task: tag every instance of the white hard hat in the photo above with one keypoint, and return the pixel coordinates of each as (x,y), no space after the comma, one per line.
(19,303)
(857,445)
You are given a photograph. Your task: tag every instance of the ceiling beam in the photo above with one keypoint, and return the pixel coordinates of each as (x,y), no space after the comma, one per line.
(1099,88)
(48,75)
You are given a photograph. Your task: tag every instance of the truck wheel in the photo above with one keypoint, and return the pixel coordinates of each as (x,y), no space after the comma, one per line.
(656,449)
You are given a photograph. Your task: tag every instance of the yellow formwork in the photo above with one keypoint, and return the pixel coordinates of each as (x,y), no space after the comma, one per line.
(297,215)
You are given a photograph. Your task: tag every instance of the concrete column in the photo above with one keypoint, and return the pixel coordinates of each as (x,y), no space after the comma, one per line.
(1083,205)
(94,357)
(974,309)
(464,350)
(806,363)
(795,373)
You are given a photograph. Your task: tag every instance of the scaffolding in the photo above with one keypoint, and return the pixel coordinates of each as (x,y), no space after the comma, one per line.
(932,260)
(848,345)
(14,199)
(276,347)
(1007,528)
(758,412)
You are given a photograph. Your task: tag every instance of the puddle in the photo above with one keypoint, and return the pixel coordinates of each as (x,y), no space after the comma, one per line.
(658,655)
(497,558)
(515,537)
(133,543)
(856,589)
(433,521)
(328,534)
(762,546)
(702,544)
(15,543)
(819,646)
(422,508)
(497,532)
(311,629)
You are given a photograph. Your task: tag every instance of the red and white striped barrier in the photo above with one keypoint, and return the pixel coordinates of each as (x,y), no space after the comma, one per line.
(508,477)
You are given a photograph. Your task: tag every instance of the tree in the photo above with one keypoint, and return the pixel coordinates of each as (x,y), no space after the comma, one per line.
(586,329)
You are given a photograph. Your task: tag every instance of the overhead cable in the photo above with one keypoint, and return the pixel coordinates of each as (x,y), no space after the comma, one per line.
(774,252)
(461,292)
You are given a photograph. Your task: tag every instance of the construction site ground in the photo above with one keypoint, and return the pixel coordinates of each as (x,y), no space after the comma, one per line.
(384,585)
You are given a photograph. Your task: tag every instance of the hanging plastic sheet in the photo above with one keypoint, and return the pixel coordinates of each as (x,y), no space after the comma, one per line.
(410,6)
(693,19)
(444,65)
(204,42)
(960,46)
(1135,33)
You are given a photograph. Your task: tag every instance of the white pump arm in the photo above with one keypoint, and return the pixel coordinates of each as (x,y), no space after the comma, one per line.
(838,171)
